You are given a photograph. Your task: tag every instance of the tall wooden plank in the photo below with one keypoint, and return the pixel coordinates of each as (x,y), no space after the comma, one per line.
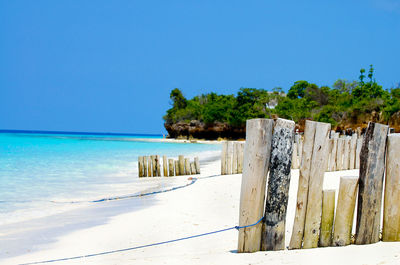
(353,146)
(372,168)
(140,166)
(177,168)
(294,158)
(358,152)
(158,167)
(165,166)
(181,162)
(339,154)
(345,211)
(257,153)
(302,191)
(234,157)
(223,157)
(197,164)
(273,231)
(192,168)
(229,154)
(187,166)
(318,168)
(240,158)
(171,167)
(145,166)
(391,210)
(346,154)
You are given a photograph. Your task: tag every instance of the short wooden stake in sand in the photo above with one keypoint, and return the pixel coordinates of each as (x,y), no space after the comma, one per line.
(150,166)
(234,158)
(223,158)
(165,166)
(187,166)
(158,167)
(229,155)
(144,166)
(257,153)
(391,210)
(240,158)
(197,164)
(177,168)
(345,211)
(171,167)
(181,160)
(302,191)
(328,213)
(192,168)
(318,167)
(273,231)
(140,166)
(372,168)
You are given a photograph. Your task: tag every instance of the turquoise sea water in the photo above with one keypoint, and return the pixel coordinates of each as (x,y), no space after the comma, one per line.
(40,172)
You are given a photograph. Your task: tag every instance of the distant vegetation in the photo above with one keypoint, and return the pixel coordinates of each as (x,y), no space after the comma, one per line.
(344,105)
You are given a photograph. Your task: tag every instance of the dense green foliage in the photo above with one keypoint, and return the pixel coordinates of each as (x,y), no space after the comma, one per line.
(351,101)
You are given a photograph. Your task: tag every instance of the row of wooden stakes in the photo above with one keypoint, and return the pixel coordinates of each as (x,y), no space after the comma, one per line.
(344,152)
(269,147)
(150,166)
(232,158)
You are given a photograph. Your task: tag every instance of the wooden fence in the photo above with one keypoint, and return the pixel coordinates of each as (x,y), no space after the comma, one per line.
(150,166)
(319,221)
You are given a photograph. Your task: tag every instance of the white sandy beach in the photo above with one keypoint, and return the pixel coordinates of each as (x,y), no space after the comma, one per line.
(207,205)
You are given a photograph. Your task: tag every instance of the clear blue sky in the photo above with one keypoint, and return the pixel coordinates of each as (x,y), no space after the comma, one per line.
(108,66)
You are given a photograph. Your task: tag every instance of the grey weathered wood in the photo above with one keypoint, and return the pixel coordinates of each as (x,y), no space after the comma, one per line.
(140,166)
(165,166)
(187,166)
(300,149)
(358,151)
(328,213)
(181,162)
(302,191)
(223,158)
(294,158)
(353,146)
(273,231)
(257,153)
(372,167)
(332,161)
(339,154)
(197,164)
(345,211)
(391,210)
(145,166)
(330,147)
(234,157)
(229,155)
(192,168)
(177,168)
(346,154)
(318,168)
(153,166)
(171,167)
(150,166)
(158,167)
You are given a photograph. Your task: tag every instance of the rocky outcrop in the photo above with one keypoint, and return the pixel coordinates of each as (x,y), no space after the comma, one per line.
(200,130)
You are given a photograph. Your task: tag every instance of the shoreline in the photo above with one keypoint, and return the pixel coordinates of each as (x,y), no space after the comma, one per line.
(211,204)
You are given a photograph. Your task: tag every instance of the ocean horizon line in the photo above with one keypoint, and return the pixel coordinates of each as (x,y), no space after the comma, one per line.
(76,133)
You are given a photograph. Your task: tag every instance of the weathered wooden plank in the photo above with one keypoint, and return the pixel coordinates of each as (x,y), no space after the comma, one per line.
(358,151)
(328,213)
(229,155)
(177,168)
(192,168)
(333,156)
(140,166)
(234,157)
(145,166)
(353,146)
(171,167)
(345,211)
(187,166)
(391,210)
(181,162)
(300,149)
(240,158)
(223,158)
(318,168)
(197,164)
(165,166)
(302,191)
(257,153)
(339,154)
(294,158)
(346,154)
(273,232)
(158,167)
(372,167)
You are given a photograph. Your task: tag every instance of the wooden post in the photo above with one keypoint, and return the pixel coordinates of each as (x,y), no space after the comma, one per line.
(328,213)
(294,158)
(300,149)
(346,154)
(229,153)
(332,161)
(372,167)
(234,157)
(177,168)
(150,166)
(158,168)
(318,167)
(181,160)
(339,154)
(345,211)
(358,151)
(223,157)
(171,167)
(187,166)
(165,166)
(192,168)
(302,191)
(391,210)
(197,164)
(153,166)
(257,153)
(240,158)
(144,166)
(273,231)
(353,145)
(140,166)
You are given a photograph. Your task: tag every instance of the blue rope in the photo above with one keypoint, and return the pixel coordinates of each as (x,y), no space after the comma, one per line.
(144,246)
